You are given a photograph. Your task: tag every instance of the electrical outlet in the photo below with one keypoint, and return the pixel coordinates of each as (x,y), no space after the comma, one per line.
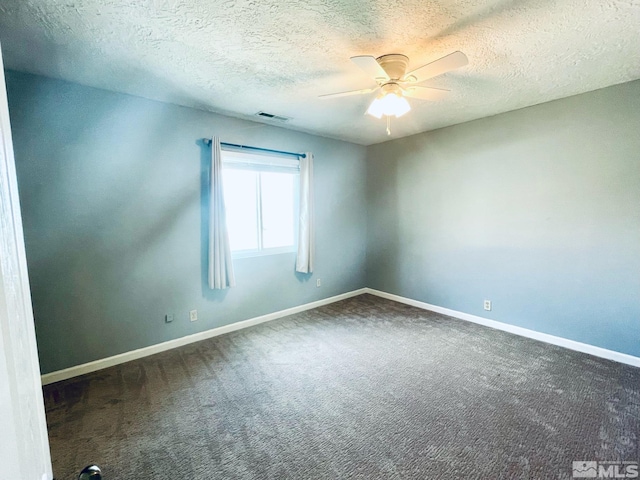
(193,315)
(318,283)
(487,304)
(168,318)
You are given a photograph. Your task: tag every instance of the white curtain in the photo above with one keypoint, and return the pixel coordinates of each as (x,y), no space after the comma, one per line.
(220,266)
(306,243)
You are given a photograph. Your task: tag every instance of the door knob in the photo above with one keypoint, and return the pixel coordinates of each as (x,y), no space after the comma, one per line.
(90,472)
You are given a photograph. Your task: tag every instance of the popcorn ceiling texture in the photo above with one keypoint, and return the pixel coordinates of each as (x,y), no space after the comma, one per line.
(239,57)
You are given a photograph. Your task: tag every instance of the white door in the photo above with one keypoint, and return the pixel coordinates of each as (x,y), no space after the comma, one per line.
(24,446)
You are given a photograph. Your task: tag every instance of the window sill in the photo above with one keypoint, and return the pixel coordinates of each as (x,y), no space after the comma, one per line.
(262,253)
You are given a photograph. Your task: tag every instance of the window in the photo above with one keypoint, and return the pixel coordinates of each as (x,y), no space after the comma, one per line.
(261,199)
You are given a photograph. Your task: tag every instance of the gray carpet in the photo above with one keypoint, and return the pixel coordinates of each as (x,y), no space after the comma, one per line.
(363,388)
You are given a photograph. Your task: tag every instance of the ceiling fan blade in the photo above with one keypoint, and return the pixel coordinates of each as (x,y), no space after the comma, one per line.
(425,93)
(438,67)
(371,66)
(351,92)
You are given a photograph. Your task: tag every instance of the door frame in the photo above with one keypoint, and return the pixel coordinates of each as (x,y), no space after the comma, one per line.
(25,445)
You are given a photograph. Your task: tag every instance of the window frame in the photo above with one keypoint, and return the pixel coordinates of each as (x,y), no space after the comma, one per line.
(259,163)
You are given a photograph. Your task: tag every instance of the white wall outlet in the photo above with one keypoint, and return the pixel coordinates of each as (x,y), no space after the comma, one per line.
(168,318)
(193,315)
(487,304)
(318,283)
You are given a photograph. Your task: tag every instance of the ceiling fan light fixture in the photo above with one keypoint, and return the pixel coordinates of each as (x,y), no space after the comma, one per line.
(389,104)
(375,109)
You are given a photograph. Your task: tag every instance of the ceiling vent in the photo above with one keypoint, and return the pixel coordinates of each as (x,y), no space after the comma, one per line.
(271,116)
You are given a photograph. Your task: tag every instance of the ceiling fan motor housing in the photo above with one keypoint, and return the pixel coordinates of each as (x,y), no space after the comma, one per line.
(394,64)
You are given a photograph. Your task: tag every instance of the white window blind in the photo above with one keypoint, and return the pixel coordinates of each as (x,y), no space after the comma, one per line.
(257,162)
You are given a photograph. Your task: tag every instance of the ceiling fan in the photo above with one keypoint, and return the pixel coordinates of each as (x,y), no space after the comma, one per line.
(389,72)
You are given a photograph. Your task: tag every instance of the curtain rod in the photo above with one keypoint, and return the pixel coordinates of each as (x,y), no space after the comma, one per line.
(258,149)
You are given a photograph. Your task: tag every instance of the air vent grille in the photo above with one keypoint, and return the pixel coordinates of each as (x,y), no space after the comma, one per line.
(271,116)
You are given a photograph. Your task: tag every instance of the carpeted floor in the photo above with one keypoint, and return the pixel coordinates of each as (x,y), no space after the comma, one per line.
(363,388)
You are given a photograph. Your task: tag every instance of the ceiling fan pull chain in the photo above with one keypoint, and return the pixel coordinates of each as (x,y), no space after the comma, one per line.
(388,125)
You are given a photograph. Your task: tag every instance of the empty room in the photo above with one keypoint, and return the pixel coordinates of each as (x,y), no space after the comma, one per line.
(320,240)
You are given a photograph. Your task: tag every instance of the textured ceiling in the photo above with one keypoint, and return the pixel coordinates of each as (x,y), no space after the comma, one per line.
(237,57)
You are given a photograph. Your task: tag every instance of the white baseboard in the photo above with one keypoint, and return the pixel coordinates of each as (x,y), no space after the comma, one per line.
(178,342)
(214,332)
(523,332)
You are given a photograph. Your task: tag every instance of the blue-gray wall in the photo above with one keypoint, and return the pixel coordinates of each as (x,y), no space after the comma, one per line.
(537,210)
(113,194)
